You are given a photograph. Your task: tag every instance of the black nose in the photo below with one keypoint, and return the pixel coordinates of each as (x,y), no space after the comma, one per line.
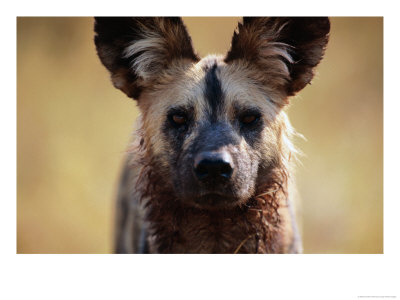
(213,165)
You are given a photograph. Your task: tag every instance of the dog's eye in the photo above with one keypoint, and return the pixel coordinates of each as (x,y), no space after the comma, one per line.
(249,119)
(179,119)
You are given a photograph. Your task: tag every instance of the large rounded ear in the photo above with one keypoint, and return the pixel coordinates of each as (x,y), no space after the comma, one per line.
(136,50)
(284,50)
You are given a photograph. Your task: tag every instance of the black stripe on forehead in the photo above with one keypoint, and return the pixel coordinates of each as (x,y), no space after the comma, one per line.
(213,91)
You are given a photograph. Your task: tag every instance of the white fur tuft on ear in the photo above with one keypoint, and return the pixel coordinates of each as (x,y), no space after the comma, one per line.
(147,53)
(285,50)
(137,50)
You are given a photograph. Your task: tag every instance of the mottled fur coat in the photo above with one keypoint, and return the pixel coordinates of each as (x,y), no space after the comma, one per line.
(210,169)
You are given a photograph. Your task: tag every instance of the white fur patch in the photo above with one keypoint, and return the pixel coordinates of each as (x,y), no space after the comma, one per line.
(151,50)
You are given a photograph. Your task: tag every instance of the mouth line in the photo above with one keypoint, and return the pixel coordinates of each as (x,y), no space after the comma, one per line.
(214,194)
(215,200)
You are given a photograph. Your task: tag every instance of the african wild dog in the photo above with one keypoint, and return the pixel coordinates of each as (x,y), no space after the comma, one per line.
(209,169)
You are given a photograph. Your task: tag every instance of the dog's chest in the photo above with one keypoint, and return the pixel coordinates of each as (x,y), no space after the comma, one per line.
(207,233)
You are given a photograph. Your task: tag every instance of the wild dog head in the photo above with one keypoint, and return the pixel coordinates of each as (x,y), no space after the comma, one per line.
(213,127)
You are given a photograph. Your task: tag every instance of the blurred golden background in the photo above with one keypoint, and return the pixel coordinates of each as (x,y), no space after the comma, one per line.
(73,127)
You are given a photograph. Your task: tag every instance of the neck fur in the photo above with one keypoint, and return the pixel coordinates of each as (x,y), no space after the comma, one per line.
(255,227)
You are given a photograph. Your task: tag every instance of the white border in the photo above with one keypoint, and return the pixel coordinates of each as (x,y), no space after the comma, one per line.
(198,276)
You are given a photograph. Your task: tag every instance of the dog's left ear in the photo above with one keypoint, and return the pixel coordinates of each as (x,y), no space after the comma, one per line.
(285,50)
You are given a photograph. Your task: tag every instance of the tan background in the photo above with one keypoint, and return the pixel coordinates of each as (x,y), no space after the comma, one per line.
(73,127)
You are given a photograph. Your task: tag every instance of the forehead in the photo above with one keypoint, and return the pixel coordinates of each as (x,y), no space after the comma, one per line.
(211,84)
(228,85)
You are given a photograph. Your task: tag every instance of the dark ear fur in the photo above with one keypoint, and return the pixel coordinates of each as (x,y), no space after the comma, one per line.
(136,50)
(285,50)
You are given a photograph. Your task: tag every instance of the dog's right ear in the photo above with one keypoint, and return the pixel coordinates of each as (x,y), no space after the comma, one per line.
(137,50)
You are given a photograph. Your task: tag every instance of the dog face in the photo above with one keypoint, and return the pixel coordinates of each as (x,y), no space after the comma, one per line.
(213,127)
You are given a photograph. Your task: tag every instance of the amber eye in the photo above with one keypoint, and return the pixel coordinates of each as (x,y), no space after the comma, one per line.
(179,119)
(249,119)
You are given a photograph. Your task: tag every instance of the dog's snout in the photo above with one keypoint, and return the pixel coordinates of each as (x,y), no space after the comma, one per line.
(213,165)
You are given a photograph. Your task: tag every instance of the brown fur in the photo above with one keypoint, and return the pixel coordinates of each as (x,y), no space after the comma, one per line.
(160,208)
(185,229)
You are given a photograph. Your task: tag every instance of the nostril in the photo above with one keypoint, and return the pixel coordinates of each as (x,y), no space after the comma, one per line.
(213,165)
(226,170)
(201,170)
